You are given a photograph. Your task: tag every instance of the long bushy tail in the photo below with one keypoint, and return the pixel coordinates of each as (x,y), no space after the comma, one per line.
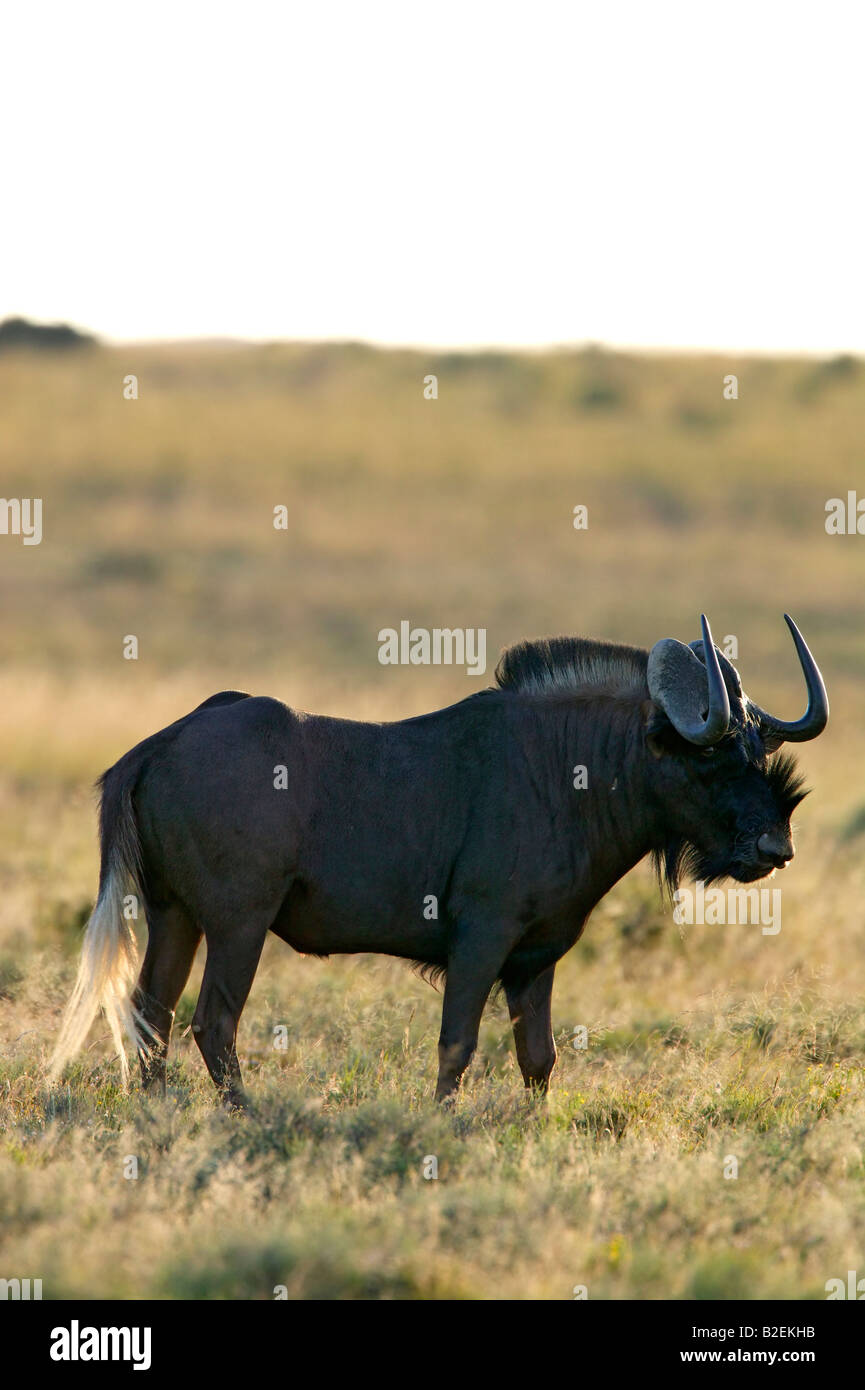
(109,958)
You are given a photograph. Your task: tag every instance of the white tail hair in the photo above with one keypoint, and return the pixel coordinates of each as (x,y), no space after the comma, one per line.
(106,977)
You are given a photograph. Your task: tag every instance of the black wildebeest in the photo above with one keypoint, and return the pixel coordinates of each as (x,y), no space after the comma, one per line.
(247,817)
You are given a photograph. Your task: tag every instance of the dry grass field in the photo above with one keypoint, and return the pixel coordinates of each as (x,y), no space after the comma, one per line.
(705,1043)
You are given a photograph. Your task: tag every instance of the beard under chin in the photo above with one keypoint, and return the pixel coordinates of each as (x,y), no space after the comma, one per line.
(681,860)
(753,873)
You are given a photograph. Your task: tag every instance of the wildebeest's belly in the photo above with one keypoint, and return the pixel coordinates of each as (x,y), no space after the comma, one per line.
(316,921)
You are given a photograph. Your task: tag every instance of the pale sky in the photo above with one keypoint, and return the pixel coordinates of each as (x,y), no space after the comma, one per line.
(453,173)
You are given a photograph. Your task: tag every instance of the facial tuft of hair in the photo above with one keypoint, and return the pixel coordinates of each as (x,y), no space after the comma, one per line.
(787,783)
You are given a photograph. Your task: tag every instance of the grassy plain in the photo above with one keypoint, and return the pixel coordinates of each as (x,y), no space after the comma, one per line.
(704,1043)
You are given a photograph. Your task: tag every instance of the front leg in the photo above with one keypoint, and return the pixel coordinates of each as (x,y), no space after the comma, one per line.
(530,1008)
(475,960)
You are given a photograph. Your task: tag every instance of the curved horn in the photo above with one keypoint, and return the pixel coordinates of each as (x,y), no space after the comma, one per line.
(816,716)
(728,670)
(677,683)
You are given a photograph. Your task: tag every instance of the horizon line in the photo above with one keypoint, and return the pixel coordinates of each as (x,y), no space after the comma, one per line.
(229,340)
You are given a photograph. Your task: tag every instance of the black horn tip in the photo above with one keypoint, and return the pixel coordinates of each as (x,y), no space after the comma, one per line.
(815,718)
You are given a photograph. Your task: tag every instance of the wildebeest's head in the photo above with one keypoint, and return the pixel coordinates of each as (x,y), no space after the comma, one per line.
(727,799)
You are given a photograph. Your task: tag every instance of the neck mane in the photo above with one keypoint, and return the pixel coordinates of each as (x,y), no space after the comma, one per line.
(588,708)
(573,666)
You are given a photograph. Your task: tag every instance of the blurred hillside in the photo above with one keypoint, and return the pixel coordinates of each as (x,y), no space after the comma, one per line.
(158,512)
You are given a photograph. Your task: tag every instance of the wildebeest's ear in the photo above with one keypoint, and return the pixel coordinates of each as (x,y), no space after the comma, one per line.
(661,737)
(771,742)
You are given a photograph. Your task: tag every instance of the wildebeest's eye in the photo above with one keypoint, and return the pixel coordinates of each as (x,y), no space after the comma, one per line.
(707,752)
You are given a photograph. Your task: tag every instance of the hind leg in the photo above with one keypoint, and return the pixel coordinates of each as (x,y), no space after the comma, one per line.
(171,945)
(232,961)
